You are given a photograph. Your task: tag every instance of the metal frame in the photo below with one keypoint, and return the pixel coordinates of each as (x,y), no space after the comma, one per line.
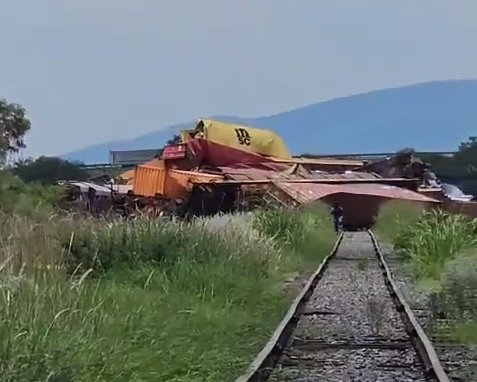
(381,155)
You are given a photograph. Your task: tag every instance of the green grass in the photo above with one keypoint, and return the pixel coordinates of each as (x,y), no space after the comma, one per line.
(435,239)
(464,332)
(306,234)
(441,251)
(395,217)
(88,300)
(17,197)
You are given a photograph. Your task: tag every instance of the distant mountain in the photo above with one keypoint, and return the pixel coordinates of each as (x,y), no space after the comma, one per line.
(433,116)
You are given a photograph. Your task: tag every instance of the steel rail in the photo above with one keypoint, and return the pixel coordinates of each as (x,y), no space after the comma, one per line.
(263,364)
(421,341)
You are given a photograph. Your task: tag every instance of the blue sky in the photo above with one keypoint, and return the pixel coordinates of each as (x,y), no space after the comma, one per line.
(90,71)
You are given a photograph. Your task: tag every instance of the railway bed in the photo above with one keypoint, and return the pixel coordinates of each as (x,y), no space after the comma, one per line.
(349,323)
(459,360)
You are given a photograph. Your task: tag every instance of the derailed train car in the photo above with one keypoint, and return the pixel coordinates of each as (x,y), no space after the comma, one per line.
(223,167)
(215,147)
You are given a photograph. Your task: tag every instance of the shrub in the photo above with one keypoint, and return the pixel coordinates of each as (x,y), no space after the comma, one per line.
(16,197)
(442,249)
(434,239)
(396,217)
(105,245)
(458,294)
(308,231)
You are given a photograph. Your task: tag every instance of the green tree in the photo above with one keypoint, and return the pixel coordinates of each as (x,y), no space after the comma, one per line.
(471,144)
(49,170)
(14,124)
(461,169)
(466,157)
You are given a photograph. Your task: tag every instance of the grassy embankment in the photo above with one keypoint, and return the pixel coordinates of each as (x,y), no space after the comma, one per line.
(149,300)
(441,252)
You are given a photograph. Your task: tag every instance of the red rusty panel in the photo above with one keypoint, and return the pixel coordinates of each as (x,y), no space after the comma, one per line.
(208,153)
(270,171)
(345,175)
(310,192)
(250,173)
(464,208)
(360,210)
(174,152)
(361,203)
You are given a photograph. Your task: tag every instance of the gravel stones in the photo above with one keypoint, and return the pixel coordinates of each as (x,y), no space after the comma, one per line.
(350,330)
(350,365)
(460,362)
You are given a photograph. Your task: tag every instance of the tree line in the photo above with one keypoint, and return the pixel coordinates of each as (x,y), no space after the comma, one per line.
(460,169)
(14,125)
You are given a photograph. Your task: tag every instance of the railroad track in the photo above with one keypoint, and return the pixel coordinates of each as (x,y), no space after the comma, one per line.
(349,323)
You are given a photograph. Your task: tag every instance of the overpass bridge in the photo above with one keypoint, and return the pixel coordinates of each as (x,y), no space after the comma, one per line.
(378,156)
(130,158)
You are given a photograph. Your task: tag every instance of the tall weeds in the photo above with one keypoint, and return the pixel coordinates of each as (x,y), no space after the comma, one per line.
(441,249)
(396,216)
(308,232)
(91,300)
(434,239)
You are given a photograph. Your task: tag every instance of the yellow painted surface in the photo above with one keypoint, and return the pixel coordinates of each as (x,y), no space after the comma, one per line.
(185,135)
(127,176)
(261,141)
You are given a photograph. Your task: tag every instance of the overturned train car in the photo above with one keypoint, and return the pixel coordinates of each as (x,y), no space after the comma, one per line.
(221,167)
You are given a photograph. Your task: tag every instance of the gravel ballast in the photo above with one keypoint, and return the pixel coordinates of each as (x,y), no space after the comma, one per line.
(350,330)
(460,362)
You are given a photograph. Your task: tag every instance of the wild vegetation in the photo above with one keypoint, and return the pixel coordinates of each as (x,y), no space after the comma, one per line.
(441,251)
(23,198)
(88,299)
(49,170)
